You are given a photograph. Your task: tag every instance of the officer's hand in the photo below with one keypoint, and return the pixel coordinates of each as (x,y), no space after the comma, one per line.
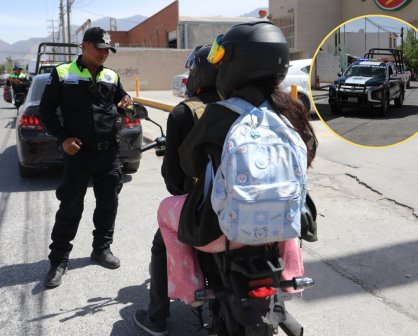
(125,102)
(71,145)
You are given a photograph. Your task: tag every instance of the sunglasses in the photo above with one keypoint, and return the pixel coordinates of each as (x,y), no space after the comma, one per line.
(217,51)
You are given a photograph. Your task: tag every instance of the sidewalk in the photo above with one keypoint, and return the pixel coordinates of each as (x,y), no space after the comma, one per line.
(163,99)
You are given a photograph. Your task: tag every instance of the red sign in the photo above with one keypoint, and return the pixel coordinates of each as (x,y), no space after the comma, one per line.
(391,5)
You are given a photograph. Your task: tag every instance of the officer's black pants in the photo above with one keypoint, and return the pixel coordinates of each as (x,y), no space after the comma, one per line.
(103,168)
(159,306)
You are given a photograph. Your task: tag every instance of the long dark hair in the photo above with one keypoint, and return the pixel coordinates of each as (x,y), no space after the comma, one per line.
(298,115)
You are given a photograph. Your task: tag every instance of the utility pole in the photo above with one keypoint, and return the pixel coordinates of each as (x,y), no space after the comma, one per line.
(53,37)
(62,20)
(69,4)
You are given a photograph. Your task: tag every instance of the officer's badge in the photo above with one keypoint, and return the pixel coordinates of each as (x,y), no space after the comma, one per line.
(106,38)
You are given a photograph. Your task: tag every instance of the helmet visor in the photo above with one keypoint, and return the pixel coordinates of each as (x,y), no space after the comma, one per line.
(191,59)
(217,51)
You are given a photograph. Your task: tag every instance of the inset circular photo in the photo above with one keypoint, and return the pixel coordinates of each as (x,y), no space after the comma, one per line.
(364,81)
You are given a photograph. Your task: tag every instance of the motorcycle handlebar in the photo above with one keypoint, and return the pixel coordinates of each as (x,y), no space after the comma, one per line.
(158,143)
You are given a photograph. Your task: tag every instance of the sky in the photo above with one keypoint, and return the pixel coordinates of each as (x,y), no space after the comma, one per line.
(23,19)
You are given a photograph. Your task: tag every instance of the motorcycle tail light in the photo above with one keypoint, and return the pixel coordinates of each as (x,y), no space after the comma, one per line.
(131,123)
(262,292)
(30,122)
(261,282)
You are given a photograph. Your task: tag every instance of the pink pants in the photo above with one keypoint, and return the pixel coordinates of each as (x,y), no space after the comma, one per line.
(183,270)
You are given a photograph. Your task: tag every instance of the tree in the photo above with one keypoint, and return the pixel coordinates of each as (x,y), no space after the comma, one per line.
(410,48)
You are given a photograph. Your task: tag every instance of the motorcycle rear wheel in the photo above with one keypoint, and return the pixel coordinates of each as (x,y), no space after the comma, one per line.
(265,330)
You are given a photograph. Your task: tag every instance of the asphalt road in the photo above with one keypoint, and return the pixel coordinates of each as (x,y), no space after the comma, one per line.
(365,263)
(364,128)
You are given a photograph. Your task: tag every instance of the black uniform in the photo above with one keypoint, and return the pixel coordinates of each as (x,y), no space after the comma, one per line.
(179,123)
(89,113)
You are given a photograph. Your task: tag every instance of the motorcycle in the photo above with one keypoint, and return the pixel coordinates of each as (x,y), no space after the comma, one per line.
(19,97)
(243,289)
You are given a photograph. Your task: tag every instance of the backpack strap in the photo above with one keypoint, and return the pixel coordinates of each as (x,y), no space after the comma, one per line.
(196,106)
(237,105)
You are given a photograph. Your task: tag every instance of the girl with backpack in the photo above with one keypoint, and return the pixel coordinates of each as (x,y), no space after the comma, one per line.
(252,59)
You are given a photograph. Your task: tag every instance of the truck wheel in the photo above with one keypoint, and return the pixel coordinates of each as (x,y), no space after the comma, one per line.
(385,105)
(335,108)
(399,100)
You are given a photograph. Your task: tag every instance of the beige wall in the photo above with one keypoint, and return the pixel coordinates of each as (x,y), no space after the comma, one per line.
(314,19)
(155,68)
(353,8)
(314,22)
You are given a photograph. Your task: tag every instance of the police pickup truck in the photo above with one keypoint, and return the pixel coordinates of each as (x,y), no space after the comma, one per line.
(367,84)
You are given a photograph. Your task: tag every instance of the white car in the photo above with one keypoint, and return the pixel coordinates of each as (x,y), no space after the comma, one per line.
(299,74)
(179,85)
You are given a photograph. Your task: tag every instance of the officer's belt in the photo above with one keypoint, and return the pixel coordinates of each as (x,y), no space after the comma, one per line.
(100,146)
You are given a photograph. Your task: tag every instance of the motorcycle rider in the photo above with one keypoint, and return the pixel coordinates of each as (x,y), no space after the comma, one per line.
(201,90)
(252,60)
(19,81)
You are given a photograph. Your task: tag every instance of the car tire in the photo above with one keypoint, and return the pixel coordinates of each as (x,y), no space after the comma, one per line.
(130,167)
(336,109)
(399,100)
(385,104)
(26,172)
(305,101)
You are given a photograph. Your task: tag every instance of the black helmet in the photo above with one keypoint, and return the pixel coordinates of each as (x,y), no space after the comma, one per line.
(17,67)
(202,74)
(249,51)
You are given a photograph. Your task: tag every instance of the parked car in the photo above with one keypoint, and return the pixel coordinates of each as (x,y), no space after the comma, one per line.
(298,74)
(413,74)
(3,79)
(37,149)
(179,85)
(7,93)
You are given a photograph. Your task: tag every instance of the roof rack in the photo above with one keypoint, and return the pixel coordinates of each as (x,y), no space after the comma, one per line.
(61,50)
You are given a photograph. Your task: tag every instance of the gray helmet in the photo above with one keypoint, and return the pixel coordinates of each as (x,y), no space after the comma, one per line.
(202,74)
(253,51)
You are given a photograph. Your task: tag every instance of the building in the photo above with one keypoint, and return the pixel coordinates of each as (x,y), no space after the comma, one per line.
(305,25)
(167,29)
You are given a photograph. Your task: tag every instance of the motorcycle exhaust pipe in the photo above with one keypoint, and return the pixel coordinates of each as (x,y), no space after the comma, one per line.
(290,326)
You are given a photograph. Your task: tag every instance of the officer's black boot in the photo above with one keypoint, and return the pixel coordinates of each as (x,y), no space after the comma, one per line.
(55,273)
(105,258)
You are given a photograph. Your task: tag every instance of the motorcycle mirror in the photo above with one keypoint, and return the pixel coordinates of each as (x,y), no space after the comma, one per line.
(137,111)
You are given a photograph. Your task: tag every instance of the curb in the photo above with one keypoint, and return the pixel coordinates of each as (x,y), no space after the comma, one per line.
(155,104)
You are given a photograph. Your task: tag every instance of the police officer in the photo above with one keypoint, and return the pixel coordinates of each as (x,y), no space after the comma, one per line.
(90,97)
(18,80)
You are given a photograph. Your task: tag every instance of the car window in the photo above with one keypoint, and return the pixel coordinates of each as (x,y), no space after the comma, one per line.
(306,69)
(38,87)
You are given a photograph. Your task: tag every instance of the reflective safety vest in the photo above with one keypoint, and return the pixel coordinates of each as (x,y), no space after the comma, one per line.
(71,74)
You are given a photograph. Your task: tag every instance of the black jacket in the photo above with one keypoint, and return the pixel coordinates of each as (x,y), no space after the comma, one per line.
(87,105)
(200,227)
(179,123)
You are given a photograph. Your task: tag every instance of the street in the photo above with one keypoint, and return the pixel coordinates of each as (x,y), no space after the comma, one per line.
(368,129)
(365,263)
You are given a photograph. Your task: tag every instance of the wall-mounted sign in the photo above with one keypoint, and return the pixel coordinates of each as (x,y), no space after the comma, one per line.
(391,5)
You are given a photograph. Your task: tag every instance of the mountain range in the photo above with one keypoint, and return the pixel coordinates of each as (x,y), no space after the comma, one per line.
(27,49)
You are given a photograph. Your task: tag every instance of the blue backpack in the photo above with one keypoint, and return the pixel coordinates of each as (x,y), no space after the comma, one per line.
(259,189)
